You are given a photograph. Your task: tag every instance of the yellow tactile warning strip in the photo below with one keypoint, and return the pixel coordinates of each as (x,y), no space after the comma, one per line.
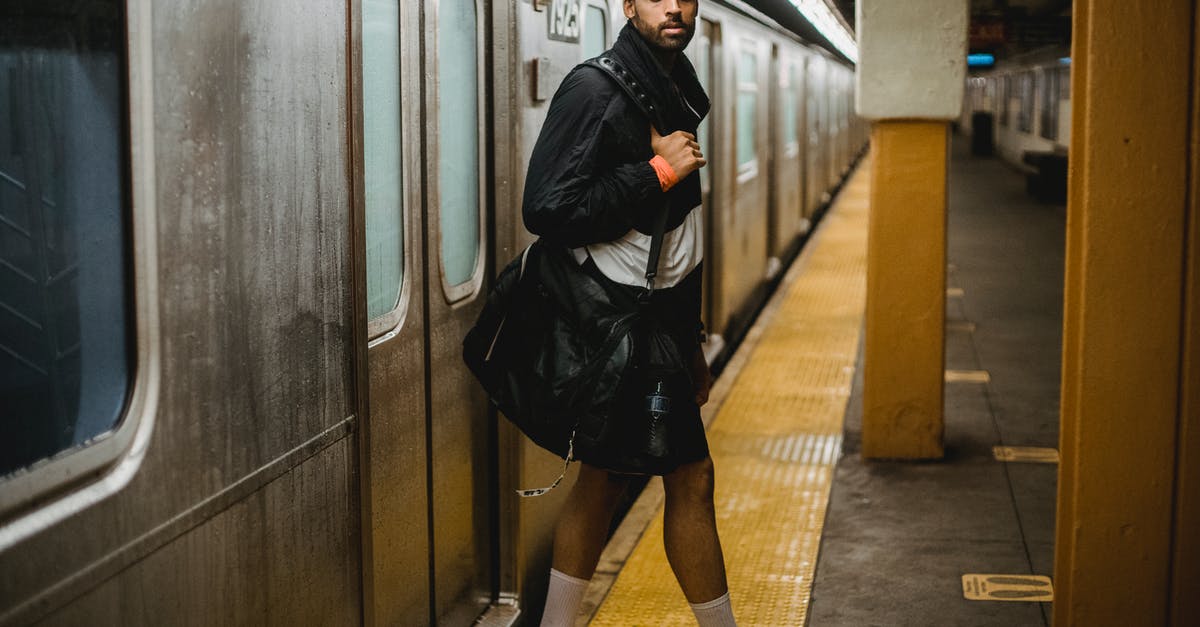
(774,441)
(1029,588)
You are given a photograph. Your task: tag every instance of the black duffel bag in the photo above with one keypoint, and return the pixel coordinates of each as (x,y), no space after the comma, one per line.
(574,369)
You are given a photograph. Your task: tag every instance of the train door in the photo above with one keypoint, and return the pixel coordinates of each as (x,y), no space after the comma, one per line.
(800,76)
(461,437)
(787,210)
(777,223)
(744,226)
(815,167)
(427,448)
(704,52)
(393,437)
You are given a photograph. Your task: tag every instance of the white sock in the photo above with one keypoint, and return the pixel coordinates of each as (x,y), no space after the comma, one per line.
(715,613)
(563,599)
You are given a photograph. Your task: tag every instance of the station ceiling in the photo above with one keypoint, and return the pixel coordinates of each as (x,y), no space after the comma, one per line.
(1006,28)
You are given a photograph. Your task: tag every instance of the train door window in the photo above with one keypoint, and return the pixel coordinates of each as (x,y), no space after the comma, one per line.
(1025,107)
(790,136)
(747,109)
(382,184)
(460,170)
(594,37)
(67,323)
(1049,103)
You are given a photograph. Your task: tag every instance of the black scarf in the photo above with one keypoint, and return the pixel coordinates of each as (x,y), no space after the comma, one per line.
(635,55)
(680,96)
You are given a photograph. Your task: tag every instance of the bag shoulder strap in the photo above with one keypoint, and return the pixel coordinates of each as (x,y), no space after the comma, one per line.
(622,77)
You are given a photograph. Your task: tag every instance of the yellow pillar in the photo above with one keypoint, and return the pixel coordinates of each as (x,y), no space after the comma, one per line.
(910,75)
(1127,501)
(906,295)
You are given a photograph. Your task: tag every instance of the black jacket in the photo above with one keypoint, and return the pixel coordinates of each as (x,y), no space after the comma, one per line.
(589,178)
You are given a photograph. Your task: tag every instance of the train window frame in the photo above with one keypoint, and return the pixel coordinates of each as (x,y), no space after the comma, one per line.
(791,83)
(1026,86)
(583,25)
(460,294)
(40,496)
(1047,98)
(388,324)
(749,170)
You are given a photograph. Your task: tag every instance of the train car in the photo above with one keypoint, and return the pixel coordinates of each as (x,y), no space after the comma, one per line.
(240,244)
(1029,100)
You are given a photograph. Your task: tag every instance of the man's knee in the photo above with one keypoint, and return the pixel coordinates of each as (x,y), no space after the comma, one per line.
(692,481)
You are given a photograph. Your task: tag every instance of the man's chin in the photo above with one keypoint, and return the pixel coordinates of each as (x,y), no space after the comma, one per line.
(674,43)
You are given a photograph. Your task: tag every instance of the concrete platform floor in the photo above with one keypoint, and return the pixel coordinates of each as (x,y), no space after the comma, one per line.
(899,536)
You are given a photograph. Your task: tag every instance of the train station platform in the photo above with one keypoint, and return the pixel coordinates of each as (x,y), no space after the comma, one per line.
(813,534)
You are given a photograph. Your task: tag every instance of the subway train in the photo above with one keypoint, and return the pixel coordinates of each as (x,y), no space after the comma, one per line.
(240,244)
(1029,102)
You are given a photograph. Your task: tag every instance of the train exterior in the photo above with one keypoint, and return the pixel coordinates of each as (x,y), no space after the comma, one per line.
(1029,99)
(305,212)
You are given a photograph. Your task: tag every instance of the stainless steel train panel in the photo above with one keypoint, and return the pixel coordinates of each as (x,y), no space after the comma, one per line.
(816,153)
(528,66)
(393,455)
(705,54)
(255,310)
(277,557)
(744,227)
(461,450)
(787,217)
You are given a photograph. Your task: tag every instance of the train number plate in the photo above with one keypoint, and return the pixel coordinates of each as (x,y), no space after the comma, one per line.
(564,20)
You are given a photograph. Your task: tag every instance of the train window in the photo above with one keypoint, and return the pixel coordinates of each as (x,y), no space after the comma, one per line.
(1049,101)
(66,309)
(381,154)
(594,39)
(1025,108)
(747,108)
(789,107)
(459,165)
(1005,96)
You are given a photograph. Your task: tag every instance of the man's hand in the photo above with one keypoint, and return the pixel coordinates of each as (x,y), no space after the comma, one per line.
(702,376)
(680,150)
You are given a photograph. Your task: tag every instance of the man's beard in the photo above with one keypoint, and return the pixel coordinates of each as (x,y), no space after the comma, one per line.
(653,35)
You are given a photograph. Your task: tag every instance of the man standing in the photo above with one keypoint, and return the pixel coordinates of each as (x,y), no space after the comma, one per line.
(598,176)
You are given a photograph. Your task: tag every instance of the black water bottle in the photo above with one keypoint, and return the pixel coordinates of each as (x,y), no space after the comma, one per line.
(658,405)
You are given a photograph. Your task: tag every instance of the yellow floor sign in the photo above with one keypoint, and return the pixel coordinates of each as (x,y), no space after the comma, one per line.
(1029,588)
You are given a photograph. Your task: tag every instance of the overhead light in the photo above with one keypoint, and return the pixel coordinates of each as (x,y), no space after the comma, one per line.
(981,59)
(818,13)
(1065,60)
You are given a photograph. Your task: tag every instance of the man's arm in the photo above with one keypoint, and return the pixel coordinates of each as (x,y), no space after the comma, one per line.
(571,195)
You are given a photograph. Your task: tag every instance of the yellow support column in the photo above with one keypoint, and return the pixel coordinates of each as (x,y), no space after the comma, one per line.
(1127,505)
(906,294)
(911,70)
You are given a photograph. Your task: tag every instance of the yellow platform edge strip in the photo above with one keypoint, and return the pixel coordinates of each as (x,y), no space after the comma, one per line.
(774,441)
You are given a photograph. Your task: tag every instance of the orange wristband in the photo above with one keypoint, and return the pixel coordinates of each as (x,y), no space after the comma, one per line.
(666,174)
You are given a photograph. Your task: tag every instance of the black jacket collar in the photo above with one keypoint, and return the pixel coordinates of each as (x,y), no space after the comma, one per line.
(635,55)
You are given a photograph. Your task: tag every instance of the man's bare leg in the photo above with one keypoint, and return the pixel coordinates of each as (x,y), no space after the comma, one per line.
(583,525)
(690,532)
(578,540)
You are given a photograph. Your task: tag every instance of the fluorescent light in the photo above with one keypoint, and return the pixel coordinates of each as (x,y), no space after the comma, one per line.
(1065,60)
(822,18)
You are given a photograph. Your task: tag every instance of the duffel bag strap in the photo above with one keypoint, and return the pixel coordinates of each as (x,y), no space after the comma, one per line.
(637,95)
